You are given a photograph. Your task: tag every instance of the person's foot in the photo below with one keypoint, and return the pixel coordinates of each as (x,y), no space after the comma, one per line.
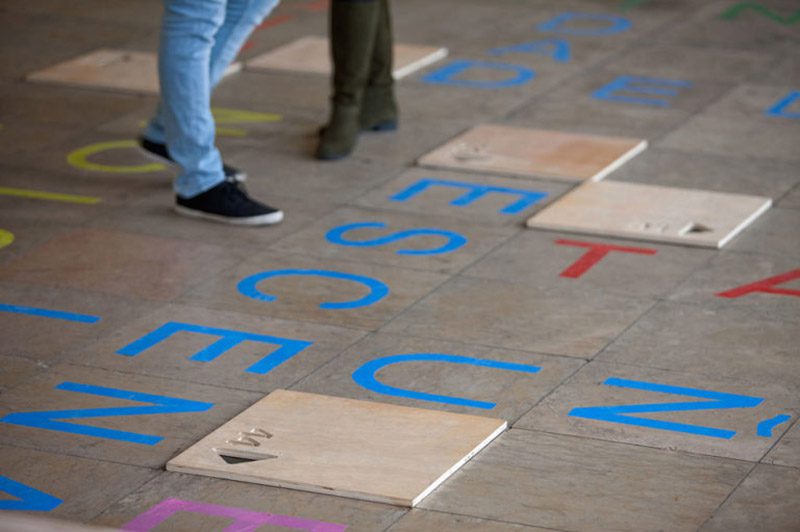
(228,203)
(158,151)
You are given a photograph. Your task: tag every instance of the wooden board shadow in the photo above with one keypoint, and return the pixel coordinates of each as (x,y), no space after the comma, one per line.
(653,213)
(119,70)
(310,54)
(358,449)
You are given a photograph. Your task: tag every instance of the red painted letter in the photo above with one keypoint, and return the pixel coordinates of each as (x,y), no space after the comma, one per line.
(767,286)
(595,254)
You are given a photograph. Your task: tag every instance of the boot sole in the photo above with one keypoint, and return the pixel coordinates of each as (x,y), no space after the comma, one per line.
(264,219)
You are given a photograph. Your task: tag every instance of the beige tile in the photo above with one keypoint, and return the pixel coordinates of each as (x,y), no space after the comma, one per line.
(508,315)
(512,391)
(729,433)
(773,234)
(374,451)
(299,297)
(787,451)
(559,155)
(547,260)
(766,500)
(506,201)
(740,345)
(356,515)
(65,477)
(178,430)
(447,247)
(580,484)
(123,264)
(309,345)
(427,521)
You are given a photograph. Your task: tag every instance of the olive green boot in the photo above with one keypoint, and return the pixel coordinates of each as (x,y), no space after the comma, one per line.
(353,25)
(379,106)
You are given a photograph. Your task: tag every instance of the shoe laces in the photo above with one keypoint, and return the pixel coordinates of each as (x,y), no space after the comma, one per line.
(236,192)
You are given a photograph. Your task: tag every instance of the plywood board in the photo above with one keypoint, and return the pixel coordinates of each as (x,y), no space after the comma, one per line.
(653,213)
(534,153)
(121,70)
(358,449)
(310,54)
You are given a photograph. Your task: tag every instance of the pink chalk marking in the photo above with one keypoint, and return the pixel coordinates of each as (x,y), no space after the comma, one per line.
(595,254)
(243,520)
(767,286)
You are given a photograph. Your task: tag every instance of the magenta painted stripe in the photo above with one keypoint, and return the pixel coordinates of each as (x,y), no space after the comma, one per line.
(243,520)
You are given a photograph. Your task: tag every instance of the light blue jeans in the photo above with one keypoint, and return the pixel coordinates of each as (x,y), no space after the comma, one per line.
(199,40)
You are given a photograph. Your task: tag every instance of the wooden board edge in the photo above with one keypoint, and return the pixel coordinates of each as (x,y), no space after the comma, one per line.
(421,63)
(746,223)
(624,158)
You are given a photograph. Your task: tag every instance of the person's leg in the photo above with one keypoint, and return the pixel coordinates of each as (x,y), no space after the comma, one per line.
(379,106)
(187,35)
(241,17)
(353,25)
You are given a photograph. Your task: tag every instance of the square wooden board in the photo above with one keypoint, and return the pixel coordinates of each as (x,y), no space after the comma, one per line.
(534,153)
(310,54)
(654,213)
(359,449)
(120,70)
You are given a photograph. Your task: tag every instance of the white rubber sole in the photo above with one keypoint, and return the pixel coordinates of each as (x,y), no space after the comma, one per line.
(264,219)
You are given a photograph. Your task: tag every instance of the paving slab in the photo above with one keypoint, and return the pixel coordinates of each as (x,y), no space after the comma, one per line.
(766,500)
(738,126)
(306,295)
(791,200)
(64,477)
(242,497)
(483,199)
(547,260)
(168,344)
(522,478)
(732,343)
(595,403)
(730,271)
(428,373)
(774,234)
(428,521)
(43,324)
(787,451)
(116,263)
(513,316)
(424,242)
(141,440)
(578,108)
(720,173)
(17,370)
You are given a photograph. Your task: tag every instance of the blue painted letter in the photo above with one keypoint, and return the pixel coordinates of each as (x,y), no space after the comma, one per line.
(448,73)
(780,108)
(48,420)
(558,49)
(365,376)
(29,499)
(620,413)
(641,85)
(454,240)
(558,24)
(377,290)
(474,192)
(229,339)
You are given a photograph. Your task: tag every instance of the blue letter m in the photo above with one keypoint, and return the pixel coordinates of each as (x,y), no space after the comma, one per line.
(621,413)
(49,420)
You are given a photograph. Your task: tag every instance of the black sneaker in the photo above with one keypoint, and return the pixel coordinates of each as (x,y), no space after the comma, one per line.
(228,203)
(158,151)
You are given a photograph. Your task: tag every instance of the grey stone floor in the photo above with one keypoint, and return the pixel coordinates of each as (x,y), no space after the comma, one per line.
(713,87)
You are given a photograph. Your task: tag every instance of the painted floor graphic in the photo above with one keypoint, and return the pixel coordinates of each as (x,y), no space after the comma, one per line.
(646,385)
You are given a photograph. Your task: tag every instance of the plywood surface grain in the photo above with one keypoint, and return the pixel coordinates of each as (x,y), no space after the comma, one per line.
(655,213)
(310,54)
(359,449)
(122,70)
(534,153)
